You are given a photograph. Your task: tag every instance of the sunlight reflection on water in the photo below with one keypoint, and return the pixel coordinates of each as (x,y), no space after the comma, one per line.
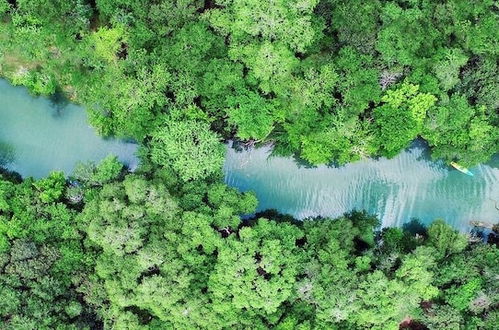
(407,186)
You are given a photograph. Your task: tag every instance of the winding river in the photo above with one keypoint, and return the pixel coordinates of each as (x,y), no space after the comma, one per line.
(38,135)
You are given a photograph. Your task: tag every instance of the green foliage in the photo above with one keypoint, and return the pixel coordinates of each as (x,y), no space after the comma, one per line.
(460,297)
(128,108)
(480,82)
(305,75)
(107,170)
(460,132)
(91,174)
(73,14)
(287,22)
(252,115)
(443,317)
(343,143)
(42,259)
(257,271)
(447,69)
(356,23)
(404,33)
(400,119)
(359,84)
(445,239)
(149,20)
(37,82)
(52,187)
(154,251)
(392,239)
(330,81)
(106,42)
(167,250)
(189,147)
(271,65)
(121,227)
(4,7)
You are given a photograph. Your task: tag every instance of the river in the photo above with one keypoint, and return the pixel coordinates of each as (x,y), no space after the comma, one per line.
(408,186)
(38,135)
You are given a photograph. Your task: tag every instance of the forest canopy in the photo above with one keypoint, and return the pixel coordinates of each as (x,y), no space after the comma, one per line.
(110,249)
(329,81)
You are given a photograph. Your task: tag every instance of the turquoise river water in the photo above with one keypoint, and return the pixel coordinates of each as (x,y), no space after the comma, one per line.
(408,186)
(38,135)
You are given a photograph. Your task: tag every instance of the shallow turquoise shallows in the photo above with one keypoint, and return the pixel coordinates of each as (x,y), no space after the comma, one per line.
(407,186)
(38,136)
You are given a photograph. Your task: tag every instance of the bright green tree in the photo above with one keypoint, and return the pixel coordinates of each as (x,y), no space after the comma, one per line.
(400,118)
(189,147)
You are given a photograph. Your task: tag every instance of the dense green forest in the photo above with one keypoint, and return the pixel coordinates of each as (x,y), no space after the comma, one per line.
(149,251)
(328,81)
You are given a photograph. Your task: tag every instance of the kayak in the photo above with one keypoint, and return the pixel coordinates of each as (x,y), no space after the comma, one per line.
(461,168)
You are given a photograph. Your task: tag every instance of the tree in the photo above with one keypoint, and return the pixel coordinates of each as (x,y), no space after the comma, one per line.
(42,258)
(74,14)
(291,23)
(253,115)
(480,83)
(443,317)
(404,33)
(329,275)
(447,68)
(149,20)
(445,239)
(130,108)
(4,7)
(189,147)
(271,65)
(166,251)
(359,86)
(258,270)
(123,228)
(356,23)
(106,42)
(51,188)
(107,170)
(399,120)
(221,79)
(94,175)
(460,132)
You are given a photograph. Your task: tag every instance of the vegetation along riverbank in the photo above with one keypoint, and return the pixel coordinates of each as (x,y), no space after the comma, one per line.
(150,251)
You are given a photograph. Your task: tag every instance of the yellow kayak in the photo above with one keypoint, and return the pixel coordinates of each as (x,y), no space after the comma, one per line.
(461,168)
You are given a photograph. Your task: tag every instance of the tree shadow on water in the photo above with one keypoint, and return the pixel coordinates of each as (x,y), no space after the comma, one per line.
(415,226)
(7,153)
(59,103)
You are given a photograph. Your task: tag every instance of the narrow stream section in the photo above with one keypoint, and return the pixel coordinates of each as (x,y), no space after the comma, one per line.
(397,190)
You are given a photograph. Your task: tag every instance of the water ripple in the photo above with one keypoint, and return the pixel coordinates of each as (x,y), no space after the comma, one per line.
(408,186)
